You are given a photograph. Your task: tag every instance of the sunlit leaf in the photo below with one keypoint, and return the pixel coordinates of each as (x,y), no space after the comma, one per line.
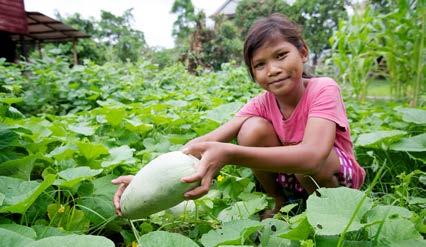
(378,136)
(165,239)
(119,155)
(19,194)
(232,232)
(338,204)
(72,241)
(91,150)
(411,144)
(412,115)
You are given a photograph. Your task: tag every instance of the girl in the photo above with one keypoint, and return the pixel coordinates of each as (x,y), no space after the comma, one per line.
(295,136)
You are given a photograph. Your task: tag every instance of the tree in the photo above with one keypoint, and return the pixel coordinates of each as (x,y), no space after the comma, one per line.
(319,20)
(112,35)
(185,22)
(249,10)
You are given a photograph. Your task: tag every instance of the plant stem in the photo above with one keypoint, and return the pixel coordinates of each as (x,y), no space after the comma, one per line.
(419,59)
(358,206)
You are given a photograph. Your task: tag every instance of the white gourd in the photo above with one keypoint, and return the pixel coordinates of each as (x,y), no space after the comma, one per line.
(157,185)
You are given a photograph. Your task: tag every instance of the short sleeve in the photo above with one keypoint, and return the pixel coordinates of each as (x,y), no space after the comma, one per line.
(252,108)
(328,104)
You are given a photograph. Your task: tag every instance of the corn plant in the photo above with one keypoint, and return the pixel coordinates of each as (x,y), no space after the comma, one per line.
(390,44)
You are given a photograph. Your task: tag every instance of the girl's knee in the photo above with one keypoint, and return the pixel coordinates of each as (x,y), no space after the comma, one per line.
(257,131)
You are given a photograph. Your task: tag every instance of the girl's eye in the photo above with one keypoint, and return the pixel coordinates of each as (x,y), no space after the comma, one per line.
(259,66)
(281,56)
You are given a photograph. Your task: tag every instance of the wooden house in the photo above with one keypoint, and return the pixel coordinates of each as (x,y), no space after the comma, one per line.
(20,29)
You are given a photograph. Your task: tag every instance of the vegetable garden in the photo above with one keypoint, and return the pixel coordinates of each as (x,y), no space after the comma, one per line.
(66,132)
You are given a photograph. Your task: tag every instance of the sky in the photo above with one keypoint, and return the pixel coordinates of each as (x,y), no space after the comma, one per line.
(150,16)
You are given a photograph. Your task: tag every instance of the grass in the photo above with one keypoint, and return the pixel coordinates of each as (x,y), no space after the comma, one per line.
(379,88)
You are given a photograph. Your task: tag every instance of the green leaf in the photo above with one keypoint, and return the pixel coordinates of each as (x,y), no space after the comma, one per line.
(232,232)
(115,116)
(12,112)
(62,152)
(20,194)
(395,230)
(330,212)
(72,241)
(242,209)
(19,168)
(10,100)
(411,144)
(73,176)
(378,137)
(271,229)
(8,137)
(412,115)
(165,239)
(119,155)
(299,228)
(136,125)
(382,212)
(48,231)
(408,243)
(20,229)
(224,112)
(91,150)
(68,218)
(98,206)
(82,129)
(13,239)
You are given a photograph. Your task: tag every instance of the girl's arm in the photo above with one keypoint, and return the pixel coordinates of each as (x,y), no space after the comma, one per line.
(304,158)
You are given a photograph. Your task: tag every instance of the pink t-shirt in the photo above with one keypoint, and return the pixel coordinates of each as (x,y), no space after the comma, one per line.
(321,99)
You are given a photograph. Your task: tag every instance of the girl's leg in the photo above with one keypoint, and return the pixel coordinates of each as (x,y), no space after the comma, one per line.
(259,132)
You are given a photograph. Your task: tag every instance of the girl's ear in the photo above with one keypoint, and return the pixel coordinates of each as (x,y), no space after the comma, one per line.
(304,52)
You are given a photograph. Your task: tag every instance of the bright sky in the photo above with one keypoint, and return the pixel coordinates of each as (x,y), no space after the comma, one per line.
(151,16)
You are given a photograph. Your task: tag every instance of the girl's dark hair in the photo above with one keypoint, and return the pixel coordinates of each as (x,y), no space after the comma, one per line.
(271,26)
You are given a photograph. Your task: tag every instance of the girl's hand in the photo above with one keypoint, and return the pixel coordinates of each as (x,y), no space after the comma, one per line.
(123,181)
(213,156)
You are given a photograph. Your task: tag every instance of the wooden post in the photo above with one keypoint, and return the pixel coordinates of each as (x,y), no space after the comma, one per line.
(39,49)
(74,51)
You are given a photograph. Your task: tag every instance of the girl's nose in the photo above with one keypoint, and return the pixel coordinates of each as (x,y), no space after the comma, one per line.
(273,69)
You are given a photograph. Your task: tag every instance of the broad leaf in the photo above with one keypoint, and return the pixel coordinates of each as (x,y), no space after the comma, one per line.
(119,155)
(19,168)
(48,231)
(20,229)
(19,194)
(82,129)
(331,212)
(299,228)
(378,136)
(411,144)
(73,176)
(72,241)
(395,230)
(13,239)
(165,239)
(242,209)
(412,115)
(271,229)
(91,150)
(232,232)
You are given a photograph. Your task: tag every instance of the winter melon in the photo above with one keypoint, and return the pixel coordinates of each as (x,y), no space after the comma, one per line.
(157,185)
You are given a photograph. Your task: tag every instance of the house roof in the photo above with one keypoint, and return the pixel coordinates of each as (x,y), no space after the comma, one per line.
(46,29)
(228,8)
(12,16)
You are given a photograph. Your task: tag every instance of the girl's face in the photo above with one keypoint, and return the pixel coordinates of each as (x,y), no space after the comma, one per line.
(278,66)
